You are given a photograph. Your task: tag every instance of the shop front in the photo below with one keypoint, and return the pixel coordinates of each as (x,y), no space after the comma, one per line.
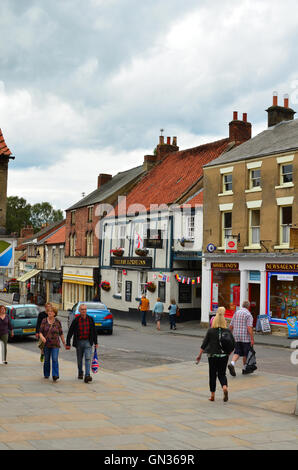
(79,285)
(225,287)
(53,289)
(281,292)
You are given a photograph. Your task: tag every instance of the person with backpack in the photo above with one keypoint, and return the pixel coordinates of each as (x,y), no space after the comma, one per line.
(218,343)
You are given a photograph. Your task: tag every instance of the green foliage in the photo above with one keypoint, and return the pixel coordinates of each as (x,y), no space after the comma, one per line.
(21,214)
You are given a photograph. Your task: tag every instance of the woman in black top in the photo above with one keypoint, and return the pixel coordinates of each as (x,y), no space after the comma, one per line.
(218,360)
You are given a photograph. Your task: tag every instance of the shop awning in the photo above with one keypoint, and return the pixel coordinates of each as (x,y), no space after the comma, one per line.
(28,275)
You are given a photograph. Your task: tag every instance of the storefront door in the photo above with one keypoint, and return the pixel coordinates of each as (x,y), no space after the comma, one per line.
(254,298)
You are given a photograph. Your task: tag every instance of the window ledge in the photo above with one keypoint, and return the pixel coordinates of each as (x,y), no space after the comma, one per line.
(286,185)
(220,248)
(253,190)
(252,247)
(227,193)
(283,247)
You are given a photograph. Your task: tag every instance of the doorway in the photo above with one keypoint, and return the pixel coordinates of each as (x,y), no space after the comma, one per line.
(254,299)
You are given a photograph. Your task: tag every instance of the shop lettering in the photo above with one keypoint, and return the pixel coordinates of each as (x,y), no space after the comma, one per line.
(281,267)
(229,266)
(132,262)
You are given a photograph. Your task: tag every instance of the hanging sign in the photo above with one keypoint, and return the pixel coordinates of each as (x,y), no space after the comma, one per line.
(231,245)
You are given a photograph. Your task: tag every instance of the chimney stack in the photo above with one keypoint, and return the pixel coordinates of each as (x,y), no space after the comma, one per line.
(163,149)
(102,179)
(277,114)
(239,131)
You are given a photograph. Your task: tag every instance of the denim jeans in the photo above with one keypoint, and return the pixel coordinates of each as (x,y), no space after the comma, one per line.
(84,348)
(51,353)
(144,315)
(172,321)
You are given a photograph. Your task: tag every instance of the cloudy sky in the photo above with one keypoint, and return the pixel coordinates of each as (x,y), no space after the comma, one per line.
(85,87)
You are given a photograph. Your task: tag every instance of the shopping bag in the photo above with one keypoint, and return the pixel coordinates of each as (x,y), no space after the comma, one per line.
(95,363)
(251,362)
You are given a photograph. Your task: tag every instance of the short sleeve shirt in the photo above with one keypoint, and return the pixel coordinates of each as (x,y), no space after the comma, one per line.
(241,320)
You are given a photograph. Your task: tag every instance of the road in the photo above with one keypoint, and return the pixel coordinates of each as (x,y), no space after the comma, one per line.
(132,348)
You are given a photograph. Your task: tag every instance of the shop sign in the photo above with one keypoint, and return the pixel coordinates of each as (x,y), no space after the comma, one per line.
(285,277)
(282,267)
(263,324)
(225,266)
(231,245)
(131,262)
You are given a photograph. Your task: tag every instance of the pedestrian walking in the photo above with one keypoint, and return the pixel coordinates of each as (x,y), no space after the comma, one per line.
(157,312)
(144,307)
(50,333)
(217,358)
(84,336)
(41,316)
(5,330)
(172,314)
(242,329)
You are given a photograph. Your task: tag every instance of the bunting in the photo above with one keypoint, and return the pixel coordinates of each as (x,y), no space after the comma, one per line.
(188,280)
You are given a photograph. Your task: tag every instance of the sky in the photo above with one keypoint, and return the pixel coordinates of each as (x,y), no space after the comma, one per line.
(85,87)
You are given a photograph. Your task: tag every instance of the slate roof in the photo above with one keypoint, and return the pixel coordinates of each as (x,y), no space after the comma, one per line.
(276,139)
(173,176)
(111,187)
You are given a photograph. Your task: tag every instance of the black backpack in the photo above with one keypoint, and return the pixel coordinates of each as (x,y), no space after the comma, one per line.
(226,341)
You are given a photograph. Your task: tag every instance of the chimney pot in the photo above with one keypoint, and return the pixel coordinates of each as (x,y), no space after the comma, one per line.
(245,117)
(275,98)
(168,140)
(235,116)
(161,140)
(175,141)
(286,100)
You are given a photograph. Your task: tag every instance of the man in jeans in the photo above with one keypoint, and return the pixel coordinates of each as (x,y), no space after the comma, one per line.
(242,329)
(84,336)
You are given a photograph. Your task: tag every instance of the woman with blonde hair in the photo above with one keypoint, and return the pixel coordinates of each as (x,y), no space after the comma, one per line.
(217,358)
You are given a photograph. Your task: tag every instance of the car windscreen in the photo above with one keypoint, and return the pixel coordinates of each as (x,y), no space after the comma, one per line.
(25,312)
(95,306)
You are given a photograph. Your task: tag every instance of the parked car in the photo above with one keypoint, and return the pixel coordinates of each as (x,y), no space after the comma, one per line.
(23,318)
(101,315)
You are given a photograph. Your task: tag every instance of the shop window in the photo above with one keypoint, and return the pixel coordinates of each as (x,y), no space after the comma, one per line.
(226,226)
(254,178)
(162,291)
(226,290)
(286,174)
(254,227)
(227,182)
(283,296)
(285,224)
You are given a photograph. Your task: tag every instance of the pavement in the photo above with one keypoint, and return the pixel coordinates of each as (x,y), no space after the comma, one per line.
(164,407)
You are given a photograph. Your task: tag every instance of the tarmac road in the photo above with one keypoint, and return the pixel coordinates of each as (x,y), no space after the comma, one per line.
(132,347)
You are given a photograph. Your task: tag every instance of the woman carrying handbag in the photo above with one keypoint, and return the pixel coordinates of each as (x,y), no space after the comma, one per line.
(50,333)
(217,353)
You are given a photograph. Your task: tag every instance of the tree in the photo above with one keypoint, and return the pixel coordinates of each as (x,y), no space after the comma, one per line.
(20,214)
(43,213)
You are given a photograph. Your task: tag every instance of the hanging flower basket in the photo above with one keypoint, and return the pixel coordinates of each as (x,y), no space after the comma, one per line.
(105,285)
(150,286)
(117,252)
(141,252)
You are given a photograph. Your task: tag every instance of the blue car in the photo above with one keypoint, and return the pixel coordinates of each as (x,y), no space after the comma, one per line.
(101,315)
(23,318)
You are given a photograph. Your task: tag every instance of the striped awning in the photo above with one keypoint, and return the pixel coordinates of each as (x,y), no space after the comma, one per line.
(28,275)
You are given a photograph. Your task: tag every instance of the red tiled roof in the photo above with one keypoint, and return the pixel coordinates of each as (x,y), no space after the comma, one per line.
(4,150)
(173,176)
(57,237)
(196,200)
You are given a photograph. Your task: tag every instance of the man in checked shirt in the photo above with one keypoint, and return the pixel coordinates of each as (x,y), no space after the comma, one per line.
(84,332)
(242,329)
